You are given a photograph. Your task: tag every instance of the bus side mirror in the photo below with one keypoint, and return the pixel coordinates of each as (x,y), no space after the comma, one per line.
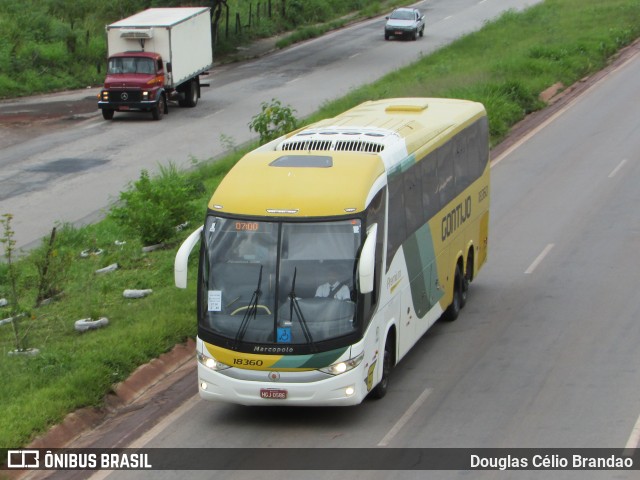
(367,263)
(182,258)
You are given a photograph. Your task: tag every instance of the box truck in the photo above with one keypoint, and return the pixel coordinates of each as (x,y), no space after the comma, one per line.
(156,56)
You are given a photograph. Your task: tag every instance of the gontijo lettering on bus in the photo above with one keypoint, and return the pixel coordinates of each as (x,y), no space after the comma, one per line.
(456,217)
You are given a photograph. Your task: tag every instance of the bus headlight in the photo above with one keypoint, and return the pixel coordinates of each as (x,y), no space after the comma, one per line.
(344,366)
(211,363)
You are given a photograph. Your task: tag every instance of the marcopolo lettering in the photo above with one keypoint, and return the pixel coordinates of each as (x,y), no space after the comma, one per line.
(455,218)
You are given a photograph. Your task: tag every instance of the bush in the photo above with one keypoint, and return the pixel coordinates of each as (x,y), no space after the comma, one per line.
(152,208)
(273,121)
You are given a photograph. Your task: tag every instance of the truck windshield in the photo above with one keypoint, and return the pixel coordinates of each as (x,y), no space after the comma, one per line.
(279,283)
(130,65)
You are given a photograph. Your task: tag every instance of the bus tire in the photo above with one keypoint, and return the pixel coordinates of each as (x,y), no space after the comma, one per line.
(380,390)
(453,310)
(464,290)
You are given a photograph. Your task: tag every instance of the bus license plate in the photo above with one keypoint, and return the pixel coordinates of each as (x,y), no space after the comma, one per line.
(273,394)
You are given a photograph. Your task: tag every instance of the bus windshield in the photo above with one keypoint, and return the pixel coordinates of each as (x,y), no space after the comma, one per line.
(279,283)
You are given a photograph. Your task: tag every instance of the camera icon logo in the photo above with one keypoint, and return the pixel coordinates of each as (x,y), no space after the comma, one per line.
(23,459)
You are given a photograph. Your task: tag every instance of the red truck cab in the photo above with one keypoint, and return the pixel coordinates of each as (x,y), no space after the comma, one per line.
(156,56)
(135,82)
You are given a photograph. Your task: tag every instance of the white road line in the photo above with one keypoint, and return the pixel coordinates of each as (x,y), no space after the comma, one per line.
(217,112)
(292,81)
(92,125)
(537,261)
(447,18)
(532,133)
(154,432)
(634,438)
(166,422)
(405,418)
(617,169)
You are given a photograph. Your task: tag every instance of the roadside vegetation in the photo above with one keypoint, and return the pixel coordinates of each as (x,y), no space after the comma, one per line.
(50,45)
(505,66)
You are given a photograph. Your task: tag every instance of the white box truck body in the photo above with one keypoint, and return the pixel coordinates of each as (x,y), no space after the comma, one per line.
(155,56)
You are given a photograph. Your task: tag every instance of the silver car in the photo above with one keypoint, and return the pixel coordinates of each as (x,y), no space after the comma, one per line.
(404,22)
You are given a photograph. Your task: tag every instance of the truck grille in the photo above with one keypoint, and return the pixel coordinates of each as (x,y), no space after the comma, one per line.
(125,96)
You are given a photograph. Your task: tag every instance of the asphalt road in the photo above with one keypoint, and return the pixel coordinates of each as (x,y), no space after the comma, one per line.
(544,355)
(71,174)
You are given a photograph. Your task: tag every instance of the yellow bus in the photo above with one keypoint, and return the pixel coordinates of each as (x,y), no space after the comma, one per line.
(327,253)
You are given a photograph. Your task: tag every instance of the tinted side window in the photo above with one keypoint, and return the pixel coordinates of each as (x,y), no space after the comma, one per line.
(445,174)
(430,201)
(414,212)
(397,225)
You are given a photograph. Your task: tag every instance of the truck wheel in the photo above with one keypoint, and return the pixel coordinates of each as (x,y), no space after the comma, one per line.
(158,110)
(190,95)
(107,114)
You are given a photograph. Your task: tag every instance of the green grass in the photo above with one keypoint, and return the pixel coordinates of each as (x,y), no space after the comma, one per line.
(505,66)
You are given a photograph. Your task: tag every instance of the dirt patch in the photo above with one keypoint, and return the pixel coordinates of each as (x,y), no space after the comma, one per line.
(24,119)
(20,113)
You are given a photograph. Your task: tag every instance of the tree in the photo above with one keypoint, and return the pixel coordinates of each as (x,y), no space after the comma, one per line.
(216,13)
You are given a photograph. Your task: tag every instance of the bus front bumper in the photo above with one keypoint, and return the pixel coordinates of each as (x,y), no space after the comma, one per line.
(346,389)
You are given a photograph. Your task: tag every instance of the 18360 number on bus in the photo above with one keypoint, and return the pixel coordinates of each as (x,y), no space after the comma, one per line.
(246,362)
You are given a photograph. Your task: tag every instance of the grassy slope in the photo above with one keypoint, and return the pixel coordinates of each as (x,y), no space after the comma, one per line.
(557,41)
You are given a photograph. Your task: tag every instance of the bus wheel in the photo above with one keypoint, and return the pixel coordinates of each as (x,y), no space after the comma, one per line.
(453,310)
(380,390)
(464,290)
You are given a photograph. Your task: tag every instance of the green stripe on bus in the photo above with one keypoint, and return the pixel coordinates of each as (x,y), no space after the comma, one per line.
(422,269)
(317,360)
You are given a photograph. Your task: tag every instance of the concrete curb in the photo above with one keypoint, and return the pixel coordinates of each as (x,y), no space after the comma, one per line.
(124,395)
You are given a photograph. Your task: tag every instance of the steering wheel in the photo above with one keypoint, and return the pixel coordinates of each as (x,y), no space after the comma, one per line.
(246,307)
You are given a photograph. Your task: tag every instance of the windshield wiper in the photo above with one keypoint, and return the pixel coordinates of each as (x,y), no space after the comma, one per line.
(251,311)
(295,307)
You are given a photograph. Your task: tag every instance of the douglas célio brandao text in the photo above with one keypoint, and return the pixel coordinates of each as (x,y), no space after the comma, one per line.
(550,462)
